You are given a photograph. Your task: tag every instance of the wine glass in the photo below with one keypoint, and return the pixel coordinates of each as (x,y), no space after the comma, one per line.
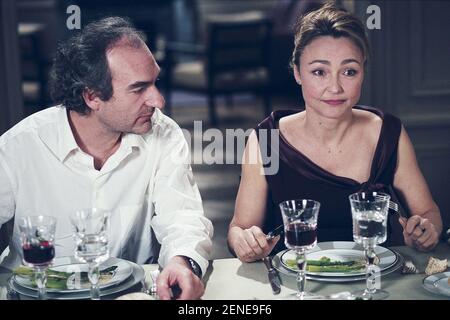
(369,214)
(37,234)
(91,228)
(300,226)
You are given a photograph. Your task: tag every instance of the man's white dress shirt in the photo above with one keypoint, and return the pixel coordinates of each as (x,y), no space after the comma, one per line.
(147,184)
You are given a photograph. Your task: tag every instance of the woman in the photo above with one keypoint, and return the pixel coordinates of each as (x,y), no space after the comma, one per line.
(332,149)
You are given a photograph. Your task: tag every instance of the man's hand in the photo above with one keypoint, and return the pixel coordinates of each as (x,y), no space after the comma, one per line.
(178,272)
(419,233)
(251,244)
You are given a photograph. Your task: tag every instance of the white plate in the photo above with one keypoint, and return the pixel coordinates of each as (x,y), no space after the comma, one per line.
(136,277)
(69,264)
(438,283)
(343,251)
(287,272)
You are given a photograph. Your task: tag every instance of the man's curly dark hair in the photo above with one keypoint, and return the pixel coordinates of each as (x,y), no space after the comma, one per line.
(80,63)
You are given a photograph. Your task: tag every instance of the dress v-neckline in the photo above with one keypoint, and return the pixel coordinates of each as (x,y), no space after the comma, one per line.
(312,163)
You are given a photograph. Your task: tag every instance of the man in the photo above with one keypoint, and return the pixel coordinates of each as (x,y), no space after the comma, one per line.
(108,145)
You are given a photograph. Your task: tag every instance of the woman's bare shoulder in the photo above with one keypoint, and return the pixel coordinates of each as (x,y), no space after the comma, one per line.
(365,117)
(368,123)
(368,116)
(291,121)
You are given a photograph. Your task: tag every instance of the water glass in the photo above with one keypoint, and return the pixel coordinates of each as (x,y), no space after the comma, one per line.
(369,215)
(91,232)
(37,234)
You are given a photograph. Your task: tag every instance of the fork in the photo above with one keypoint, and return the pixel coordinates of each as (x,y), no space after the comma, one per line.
(409,267)
(393,206)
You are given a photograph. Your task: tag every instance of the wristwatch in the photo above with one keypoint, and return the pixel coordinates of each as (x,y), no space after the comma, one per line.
(194,266)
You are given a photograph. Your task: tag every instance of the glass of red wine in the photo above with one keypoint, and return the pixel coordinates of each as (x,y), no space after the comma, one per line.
(37,235)
(300,229)
(369,214)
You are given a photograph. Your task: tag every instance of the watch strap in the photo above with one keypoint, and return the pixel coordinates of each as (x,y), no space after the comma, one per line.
(194,266)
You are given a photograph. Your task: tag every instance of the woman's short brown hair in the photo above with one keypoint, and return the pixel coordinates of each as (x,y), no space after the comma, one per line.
(329,20)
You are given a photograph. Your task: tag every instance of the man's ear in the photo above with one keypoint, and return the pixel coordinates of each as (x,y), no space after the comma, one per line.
(297,75)
(92,99)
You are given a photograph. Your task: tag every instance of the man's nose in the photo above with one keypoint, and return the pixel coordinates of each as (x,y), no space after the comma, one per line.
(155,99)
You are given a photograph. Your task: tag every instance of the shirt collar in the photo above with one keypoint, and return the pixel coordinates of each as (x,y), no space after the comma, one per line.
(131,140)
(58,135)
(66,141)
(63,142)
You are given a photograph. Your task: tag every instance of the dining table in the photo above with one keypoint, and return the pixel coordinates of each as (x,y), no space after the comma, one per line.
(232,279)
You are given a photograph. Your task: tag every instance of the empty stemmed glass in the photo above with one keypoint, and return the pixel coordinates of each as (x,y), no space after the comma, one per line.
(37,235)
(300,226)
(369,214)
(91,228)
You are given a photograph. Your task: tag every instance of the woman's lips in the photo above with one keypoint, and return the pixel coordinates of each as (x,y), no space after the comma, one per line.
(334,102)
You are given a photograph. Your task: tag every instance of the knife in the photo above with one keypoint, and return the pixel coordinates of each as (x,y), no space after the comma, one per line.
(273,276)
(275,232)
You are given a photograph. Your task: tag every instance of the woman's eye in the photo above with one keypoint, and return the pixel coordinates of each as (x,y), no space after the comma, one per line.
(318,73)
(350,72)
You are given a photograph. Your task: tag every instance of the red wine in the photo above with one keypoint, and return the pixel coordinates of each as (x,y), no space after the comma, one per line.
(300,234)
(37,254)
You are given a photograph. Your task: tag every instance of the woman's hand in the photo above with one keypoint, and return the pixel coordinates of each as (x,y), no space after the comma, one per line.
(419,233)
(251,244)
